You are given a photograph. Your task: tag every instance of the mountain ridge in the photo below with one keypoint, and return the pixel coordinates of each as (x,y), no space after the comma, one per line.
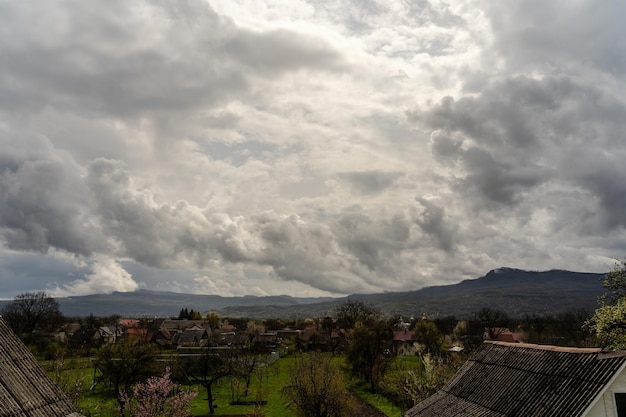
(515,291)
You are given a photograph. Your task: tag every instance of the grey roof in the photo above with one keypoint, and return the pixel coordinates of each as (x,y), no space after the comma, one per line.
(25,388)
(514,379)
(191,336)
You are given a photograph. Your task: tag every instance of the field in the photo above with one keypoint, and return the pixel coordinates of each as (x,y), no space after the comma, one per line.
(265,386)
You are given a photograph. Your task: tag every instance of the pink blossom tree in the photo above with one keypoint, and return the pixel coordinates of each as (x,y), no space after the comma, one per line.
(157,397)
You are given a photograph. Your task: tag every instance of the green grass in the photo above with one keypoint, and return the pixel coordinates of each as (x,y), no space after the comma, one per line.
(267,387)
(101,402)
(377,400)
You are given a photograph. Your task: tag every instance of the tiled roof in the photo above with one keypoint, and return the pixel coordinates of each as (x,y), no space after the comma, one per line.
(517,379)
(25,389)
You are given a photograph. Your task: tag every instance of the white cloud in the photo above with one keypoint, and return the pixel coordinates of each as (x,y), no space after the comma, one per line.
(106,277)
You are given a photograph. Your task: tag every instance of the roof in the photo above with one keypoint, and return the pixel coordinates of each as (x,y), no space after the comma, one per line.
(173,325)
(402,336)
(517,379)
(191,336)
(25,388)
(129,322)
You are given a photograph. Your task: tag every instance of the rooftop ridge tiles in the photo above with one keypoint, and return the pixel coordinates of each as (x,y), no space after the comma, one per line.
(553,348)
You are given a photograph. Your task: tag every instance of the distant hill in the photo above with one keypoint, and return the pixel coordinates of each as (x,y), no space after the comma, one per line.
(515,291)
(166,304)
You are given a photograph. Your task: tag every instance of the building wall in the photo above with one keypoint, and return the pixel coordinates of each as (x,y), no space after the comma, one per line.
(605,407)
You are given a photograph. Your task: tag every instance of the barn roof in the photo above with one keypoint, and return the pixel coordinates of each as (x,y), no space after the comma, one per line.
(516,379)
(25,388)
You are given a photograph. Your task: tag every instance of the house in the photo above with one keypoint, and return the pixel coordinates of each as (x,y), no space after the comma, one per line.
(191,337)
(109,334)
(517,379)
(503,334)
(85,337)
(176,325)
(25,388)
(403,343)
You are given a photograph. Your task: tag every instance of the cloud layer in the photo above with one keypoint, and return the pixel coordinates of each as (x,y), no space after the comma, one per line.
(307,148)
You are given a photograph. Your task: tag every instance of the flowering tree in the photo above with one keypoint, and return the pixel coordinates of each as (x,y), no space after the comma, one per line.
(609,321)
(158,397)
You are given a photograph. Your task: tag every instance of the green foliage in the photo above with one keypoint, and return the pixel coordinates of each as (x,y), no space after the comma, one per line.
(615,283)
(609,321)
(208,367)
(73,384)
(609,325)
(125,363)
(428,335)
(214,320)
(377,400)
(317,388)
(368,351)
(410,380)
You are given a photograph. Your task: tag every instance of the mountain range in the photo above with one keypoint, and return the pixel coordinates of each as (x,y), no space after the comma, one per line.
(515,291)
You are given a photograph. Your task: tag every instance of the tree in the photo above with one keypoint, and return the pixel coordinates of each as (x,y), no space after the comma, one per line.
(158,397)
(195,315)
(208,367)
(615,283)
(213,319)
(494,321)
(428,335)
(317,388)
(353,312)
(124,363)
(331,335)
(368,350)
(31,311)
(609,321)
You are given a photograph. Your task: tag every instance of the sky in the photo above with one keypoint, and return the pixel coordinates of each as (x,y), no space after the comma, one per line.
(308,148)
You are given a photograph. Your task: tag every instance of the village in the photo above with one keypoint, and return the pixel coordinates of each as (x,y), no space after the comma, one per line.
(417,366)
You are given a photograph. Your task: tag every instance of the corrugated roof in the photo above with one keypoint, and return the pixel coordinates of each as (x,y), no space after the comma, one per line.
(25,388)
(516,379)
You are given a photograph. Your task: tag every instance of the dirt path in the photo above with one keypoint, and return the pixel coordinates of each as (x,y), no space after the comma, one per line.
(365,409)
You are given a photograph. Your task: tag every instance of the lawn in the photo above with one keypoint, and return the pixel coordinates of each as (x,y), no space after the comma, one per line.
(267,386)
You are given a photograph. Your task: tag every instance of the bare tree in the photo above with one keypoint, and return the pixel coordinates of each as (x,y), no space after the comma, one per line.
(317,388)
(494,321)
(208,367)
(352,312)
(31,311)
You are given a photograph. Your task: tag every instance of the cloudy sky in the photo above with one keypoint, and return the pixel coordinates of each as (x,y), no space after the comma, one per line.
(307,147)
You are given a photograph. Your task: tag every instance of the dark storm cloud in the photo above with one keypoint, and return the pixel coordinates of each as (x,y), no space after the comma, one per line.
(280,50)
(369,182)
(560,36)
(111,58)
(433,222)
(522,133)
(21,272)
(43,205)
(131,60)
